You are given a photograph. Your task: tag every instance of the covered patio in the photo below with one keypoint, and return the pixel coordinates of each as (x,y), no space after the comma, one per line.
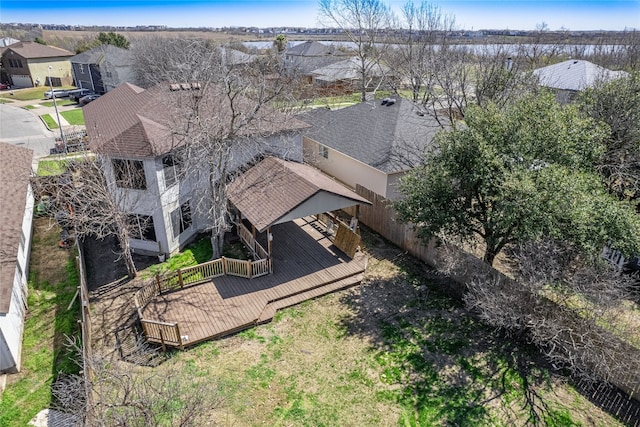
(283,205)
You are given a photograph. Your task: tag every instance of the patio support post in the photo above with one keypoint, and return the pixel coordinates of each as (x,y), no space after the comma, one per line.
(269,239)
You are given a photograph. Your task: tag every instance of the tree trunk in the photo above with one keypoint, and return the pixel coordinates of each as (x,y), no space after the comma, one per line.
(217,243)
(128,259)
(489,256)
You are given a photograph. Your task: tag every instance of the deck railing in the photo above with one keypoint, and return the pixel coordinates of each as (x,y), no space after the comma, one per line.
(259,253)
(163,333)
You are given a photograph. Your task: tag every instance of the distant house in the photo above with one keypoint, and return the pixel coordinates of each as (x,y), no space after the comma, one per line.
(16,209)
(102,68)
(346,75)
(132,130)
(569,77)
(26,64)
(310,55)
(372,143)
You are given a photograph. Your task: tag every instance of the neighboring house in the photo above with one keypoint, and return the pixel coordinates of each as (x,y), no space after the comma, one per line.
(16,209)
(569,77)
(27,65)
(346,75)
(372,143)
(132,130)
(310,55)
(102,68)
(234,57)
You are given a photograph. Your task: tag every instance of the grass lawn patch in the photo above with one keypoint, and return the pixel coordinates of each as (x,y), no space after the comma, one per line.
(51,167)
(30,107)
(52,284)
(196,253)
(59,103)
(5,101)
(29,94)
(74,117)
(49,121)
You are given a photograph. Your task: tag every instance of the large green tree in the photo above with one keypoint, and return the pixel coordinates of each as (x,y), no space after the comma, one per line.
(517,174)
(617,103)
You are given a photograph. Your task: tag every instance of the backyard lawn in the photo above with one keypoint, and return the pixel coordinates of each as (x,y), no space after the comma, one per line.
(395,350)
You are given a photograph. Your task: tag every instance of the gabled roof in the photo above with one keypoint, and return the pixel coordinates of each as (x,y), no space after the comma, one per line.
(575,75)
(15,170)
(114,54)
(310,48)
(390,138)
(270,190)
(32,50)
(129,121)
(236,57)
(349,69)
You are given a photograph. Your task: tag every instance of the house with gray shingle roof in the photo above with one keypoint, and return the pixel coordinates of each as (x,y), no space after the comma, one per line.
(372,143)
(27,65)
(310,55)
(103,68)
(569,77)
(136,133)
(347,75)
(16,210)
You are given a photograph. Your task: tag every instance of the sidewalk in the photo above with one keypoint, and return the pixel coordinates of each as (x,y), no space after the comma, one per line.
(40,110)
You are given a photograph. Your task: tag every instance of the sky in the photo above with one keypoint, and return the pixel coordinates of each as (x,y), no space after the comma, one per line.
(469,14)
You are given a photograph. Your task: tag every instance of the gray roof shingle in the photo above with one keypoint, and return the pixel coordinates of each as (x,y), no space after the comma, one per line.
(574,74)
(15,170)
(116,55)
(389,138)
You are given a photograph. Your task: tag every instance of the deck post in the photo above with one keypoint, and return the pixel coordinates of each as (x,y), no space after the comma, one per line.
(158,283)
(224,265)
(164,347)
(253,231)
(180,278)
(179,337)
(249,269)
(269,239)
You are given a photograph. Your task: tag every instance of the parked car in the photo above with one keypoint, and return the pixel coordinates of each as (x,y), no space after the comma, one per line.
(75,95)
(59,93)
(87,99)
(4,86)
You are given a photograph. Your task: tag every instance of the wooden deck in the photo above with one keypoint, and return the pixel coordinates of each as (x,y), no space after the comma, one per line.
(305,265)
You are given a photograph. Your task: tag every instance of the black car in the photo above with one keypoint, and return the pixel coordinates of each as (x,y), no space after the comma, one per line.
(75,95)
(87,99)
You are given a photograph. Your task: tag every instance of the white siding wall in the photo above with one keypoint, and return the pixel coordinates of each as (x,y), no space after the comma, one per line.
(12,324)
(346,169)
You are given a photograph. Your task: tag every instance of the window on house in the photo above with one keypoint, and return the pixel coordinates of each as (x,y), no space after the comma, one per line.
(171,166)
(323,151)
(108,74)
(81,68)
(142,227)
(129,174)
(181,219)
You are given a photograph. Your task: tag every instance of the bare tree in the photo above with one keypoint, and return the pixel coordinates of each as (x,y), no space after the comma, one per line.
(223,121)
(86,203)
(427,28)
(121,394)
(569,306)
(365,23)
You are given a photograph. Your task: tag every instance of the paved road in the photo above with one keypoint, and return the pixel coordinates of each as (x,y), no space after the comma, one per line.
(21,127)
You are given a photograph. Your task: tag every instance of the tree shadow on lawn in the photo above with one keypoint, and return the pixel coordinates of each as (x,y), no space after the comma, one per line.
(441,363)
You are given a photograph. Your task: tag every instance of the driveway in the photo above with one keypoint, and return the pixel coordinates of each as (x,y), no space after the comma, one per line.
(21,127)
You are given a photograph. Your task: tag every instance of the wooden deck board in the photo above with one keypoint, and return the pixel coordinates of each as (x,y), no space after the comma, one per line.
(305,265)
